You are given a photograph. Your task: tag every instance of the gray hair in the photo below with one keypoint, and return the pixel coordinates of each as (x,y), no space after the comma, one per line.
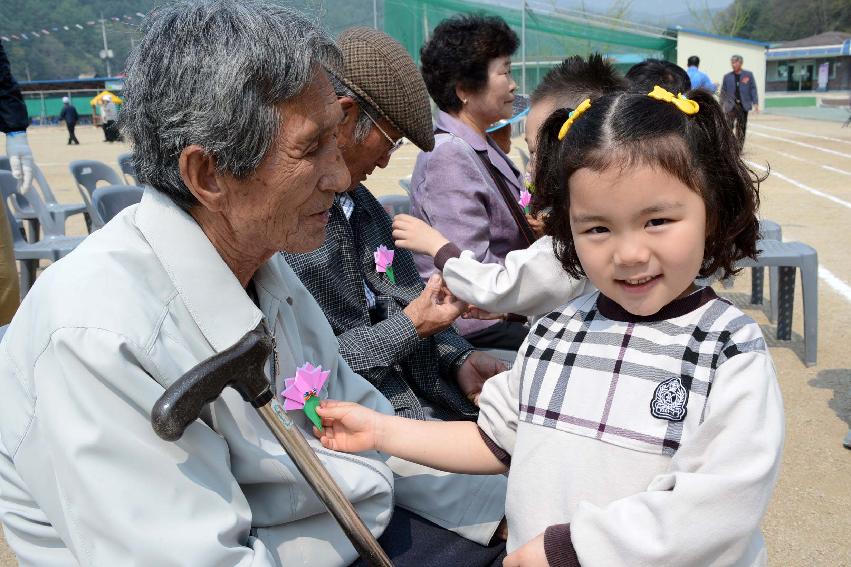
(737,58)
(210,73)
(363,125)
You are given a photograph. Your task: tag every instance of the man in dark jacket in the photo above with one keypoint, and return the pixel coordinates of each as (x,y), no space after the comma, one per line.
(392,331)
(738,97)
(70,116)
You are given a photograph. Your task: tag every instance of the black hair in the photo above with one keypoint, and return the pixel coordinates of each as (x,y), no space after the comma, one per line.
(575,79)
(458,54)
(693,61)
(643,76)
(628,129)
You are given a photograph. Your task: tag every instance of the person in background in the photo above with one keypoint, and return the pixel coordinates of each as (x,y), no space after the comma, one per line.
(109,115)
(466,187)
(699,79)
(13,122)
(70,116)
(393,332)
(738,97)
(644,76)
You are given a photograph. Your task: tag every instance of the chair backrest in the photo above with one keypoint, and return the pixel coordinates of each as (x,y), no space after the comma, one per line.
(41,180)
(110,200)
(88,173)
(396,204)
(524,158)
(48,224)
(3,331)
(9,189)
(4,164)
(125,164)
(405,183)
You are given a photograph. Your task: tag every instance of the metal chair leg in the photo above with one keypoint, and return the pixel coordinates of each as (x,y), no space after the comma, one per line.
(786,301)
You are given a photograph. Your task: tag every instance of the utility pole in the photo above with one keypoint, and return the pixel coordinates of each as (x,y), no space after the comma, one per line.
(105,54)
(375,14)
(523,46)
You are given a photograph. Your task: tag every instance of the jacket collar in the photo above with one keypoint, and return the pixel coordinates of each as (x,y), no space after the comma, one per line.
(211,293)
(499,160)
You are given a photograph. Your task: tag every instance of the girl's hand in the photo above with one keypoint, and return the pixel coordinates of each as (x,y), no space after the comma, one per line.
(347,426)
(415,235)
(530,555)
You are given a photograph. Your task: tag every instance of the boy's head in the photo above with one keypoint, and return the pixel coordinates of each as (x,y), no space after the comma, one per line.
(624,132)
(568,84)
(644,76)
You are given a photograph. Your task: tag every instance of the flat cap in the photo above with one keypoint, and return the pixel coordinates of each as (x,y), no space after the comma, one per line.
(379,70)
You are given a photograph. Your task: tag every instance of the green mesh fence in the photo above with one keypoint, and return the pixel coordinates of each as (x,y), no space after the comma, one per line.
(550,37)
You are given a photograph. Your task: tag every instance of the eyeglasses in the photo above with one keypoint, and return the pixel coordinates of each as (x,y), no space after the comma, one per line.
(393,145)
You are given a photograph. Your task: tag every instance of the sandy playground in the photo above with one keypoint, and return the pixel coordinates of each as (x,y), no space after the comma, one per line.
(809,194)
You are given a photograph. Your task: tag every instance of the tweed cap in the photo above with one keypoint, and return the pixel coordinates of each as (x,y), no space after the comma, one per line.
(379,70)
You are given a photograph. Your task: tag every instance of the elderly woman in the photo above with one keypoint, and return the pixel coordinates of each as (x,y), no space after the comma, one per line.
(233,123)
(467,188)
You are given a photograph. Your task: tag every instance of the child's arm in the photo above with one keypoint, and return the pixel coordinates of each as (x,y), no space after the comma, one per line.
(453,446)
(532,281)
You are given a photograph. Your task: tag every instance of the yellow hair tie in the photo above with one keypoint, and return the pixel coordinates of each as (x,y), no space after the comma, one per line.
(571,118)
(685,105)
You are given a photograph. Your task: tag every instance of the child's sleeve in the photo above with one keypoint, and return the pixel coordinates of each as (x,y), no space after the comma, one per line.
(532,281)
(499,405)
(707,508)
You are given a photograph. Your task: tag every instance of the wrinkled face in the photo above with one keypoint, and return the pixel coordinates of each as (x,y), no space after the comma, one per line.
(362,159)
(736,64)
(538,114)
(284,204)
(495,101)
(639,235)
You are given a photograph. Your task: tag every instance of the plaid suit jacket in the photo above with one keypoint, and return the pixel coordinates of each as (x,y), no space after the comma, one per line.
(405,368)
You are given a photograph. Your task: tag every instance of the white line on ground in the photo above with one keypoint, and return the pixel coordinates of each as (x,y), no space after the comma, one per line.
(799,133)
(784,154)
(799,185)
(803,144)
(836,170)
(837,284)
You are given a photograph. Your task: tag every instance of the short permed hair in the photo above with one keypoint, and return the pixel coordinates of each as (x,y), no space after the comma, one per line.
(626,130)
(644,76)
(458,54)
(575,79)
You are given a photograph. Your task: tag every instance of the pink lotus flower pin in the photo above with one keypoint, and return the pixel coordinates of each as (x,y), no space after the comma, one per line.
(302,391)
(525,199)
(384,262)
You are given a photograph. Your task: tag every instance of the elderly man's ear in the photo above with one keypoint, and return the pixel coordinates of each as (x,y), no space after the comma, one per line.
(350,118)
(198,171)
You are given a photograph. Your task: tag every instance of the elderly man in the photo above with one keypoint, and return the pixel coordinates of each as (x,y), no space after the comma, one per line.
(233,123)
(392,330)
(739,96)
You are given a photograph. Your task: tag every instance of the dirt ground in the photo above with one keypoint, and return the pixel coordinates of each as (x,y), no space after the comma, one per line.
(809,520)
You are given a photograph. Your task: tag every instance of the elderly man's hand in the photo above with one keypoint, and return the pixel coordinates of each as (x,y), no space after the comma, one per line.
(434,309)
(475,372)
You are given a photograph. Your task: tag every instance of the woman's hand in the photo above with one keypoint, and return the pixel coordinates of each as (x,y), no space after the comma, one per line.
(530,555)
(474,312)
(415,235)
(347,426)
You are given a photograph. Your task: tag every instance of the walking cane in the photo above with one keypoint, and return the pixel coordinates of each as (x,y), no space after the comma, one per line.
(242,367)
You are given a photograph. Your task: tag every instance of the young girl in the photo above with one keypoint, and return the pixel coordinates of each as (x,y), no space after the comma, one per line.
(642,423)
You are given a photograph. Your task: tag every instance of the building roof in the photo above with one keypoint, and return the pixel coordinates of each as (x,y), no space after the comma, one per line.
(822,39)
(828,44)
(681,29)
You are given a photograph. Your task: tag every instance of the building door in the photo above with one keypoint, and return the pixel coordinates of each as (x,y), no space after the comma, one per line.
(805,74)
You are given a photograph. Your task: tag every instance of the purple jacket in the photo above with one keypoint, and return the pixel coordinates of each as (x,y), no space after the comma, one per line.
(452,190)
